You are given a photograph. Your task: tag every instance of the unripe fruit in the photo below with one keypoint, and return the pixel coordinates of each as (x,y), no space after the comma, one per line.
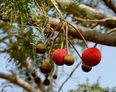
(48,32)
(68,59)
(54,76)
(37,80)
(27,74)
(41,48)
(58,56)
(86,68)
(33,74)
(91,56)
(46,82)
(46,67)
(29,78)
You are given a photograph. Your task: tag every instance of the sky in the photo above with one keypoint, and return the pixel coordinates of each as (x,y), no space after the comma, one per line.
(106,70)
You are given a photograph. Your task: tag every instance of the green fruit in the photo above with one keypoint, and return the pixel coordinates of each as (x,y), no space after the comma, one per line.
(46,67)
(69,60)
(46,82)
(37,80)
(86,68)
(47,32)
(41,48)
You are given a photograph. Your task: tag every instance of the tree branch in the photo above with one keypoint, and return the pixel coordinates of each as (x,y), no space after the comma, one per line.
(110,5)
(91,12)
(18,81)
(89,34)
(30,69)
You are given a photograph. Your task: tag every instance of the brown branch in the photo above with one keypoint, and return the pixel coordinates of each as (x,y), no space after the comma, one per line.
(18,81)
(30,69)
(110,5)
(89,34)
(105,20)
(91,12)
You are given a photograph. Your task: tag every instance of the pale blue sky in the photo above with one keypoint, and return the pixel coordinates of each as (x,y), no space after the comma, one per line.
(106,70)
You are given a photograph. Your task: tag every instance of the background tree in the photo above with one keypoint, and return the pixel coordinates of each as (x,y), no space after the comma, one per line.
(56,24)
(86,87)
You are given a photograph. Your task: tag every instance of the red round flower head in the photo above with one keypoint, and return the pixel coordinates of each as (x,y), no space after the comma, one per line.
(91,56)
(58,56)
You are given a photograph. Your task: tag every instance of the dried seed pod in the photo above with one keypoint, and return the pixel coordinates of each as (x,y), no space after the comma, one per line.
(46,67)
(69,60)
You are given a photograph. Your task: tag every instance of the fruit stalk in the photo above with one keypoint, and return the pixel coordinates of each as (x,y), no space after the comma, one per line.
(79,34)
(74,48)
(67,37)
(53,44)
(53,32)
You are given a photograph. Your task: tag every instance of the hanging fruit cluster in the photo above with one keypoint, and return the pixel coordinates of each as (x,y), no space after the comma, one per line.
(90,57)
(60,56)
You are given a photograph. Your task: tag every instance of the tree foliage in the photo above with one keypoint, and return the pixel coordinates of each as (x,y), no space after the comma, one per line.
(86,87)
(58,24)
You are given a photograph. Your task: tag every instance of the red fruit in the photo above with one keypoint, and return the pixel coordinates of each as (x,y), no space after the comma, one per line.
(46,82)
(91,56)
(37,80)
(58,56)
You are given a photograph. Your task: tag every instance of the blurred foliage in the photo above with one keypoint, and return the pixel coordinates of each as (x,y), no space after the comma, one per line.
(86,87)
(22,24)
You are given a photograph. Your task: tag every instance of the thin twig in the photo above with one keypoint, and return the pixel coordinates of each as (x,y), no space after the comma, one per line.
(94,21)
(69,76)
(56,6)
(53,43)
(108,32)
(74,48)
(94,25)
(53,30)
